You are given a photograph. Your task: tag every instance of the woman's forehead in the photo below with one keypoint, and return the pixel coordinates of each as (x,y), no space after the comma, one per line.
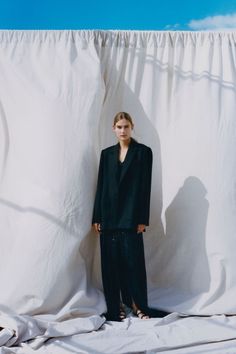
(122,122)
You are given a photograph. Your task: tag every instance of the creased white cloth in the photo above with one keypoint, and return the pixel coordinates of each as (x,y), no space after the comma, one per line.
(174,334)
(59,92)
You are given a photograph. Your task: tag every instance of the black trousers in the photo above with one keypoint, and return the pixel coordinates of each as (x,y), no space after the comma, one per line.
(123,270)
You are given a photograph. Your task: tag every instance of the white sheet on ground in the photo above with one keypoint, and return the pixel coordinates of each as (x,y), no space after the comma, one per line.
(59,91)
(173,335)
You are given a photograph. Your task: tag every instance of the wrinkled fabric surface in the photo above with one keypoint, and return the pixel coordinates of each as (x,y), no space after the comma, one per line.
(59,92)
(173,334)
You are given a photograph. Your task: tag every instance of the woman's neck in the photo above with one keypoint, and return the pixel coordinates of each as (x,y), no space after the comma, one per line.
(124,144)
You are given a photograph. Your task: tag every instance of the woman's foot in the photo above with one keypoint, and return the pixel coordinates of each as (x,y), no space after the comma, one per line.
(140,314)
(147,312)
(122,313)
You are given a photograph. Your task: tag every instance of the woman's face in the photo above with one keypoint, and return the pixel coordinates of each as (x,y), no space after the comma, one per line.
(123,130)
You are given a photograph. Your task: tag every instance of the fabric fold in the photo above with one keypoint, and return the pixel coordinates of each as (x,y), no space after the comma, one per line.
(59,92)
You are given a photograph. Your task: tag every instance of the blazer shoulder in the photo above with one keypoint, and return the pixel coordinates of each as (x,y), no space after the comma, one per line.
(144,147)
(109,149)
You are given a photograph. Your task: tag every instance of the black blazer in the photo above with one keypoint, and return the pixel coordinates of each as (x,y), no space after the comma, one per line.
(123,199)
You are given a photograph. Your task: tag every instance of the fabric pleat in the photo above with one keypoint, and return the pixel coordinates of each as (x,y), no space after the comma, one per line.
(59,92)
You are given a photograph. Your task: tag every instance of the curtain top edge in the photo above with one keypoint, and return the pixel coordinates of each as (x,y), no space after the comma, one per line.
(124,38)
(115,31)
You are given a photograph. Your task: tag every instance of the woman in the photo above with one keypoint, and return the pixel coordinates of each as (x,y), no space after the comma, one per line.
(121,214)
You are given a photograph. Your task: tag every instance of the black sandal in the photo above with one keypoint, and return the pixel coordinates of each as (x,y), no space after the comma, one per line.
(141,315)
(122,315)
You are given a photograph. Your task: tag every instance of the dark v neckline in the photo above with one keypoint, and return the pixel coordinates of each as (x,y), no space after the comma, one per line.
(122,162)
(123,166)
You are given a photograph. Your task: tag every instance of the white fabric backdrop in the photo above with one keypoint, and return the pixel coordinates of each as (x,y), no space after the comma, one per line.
(59,91)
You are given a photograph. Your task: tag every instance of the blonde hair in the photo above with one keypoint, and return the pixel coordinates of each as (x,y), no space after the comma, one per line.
(123,115)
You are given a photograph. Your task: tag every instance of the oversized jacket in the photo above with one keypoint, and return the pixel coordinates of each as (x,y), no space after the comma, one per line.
(123,202)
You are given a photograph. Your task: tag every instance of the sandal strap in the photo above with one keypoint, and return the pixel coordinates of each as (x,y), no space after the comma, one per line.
(140,314)
(122,313)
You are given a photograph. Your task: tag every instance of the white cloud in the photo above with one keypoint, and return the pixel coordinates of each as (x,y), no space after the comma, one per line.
(220,22)
(172,27)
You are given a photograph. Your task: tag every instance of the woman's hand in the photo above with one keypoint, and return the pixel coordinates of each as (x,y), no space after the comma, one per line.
(141,228)
(97,228)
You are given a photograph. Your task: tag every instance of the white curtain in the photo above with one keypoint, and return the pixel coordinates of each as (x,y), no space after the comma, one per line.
(59,92)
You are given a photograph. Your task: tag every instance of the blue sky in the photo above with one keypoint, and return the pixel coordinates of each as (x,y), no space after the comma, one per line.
(119,14)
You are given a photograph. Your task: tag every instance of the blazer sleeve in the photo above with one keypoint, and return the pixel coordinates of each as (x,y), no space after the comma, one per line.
(145,191)
(97,212)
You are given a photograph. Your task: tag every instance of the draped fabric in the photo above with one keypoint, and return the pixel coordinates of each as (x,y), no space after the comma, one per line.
(59,92)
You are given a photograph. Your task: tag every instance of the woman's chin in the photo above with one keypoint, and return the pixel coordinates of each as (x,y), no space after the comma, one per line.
(124,138)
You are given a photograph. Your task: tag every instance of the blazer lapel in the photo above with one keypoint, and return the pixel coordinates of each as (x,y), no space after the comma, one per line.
(128,159)
(114,156)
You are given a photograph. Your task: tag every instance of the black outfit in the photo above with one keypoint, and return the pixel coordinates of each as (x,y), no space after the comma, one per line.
(122,202)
